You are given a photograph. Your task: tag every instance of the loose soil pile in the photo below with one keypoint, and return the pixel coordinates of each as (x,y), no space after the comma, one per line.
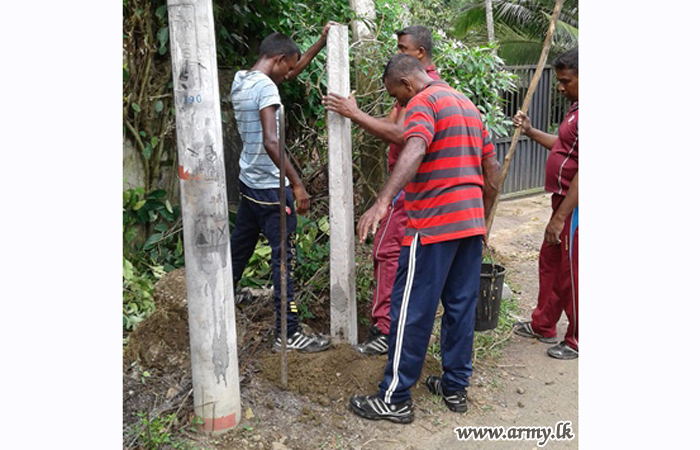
(335,374)
(157,375)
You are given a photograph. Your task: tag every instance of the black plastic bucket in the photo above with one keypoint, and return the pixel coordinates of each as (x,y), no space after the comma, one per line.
(490,290)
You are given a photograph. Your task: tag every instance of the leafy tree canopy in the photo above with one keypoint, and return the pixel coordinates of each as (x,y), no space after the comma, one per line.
(520,27)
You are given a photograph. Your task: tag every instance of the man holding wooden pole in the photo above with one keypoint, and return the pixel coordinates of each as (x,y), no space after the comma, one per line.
(558,263)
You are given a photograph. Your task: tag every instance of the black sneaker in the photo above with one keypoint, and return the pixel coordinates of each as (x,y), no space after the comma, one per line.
(303,343)
(376,344)
(524,329)
(456,401)
(562,351)
(373,407)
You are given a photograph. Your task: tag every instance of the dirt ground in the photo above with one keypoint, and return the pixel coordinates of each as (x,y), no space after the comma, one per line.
(523,388)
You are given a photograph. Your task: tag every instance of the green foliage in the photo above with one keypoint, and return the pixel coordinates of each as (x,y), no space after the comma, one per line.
(435,14)
(161,431)
(312,247)
(153,215)
(478,73)
(311,270)
(488,344)
(520,27)
(148,116)
(152,245)
(240,26)
(258,272)
(157,433)
(137,296)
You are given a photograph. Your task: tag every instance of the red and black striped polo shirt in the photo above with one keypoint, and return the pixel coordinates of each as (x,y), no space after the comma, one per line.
(444,200)
(395,150)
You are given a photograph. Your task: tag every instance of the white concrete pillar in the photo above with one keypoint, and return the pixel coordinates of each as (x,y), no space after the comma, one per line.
(210,301)
(343,306)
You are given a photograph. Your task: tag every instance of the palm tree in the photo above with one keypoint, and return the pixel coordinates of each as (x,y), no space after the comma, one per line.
(490,32)
(520,27)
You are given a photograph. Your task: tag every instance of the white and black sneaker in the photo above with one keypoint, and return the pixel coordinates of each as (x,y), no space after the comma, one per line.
(303,343)
(456,401)
(375,408)
(376,344)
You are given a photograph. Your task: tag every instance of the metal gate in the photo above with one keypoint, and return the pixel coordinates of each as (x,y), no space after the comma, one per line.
(547,110)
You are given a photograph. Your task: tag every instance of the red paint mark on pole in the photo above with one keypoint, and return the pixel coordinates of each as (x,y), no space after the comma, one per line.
(218,423)
(185,175)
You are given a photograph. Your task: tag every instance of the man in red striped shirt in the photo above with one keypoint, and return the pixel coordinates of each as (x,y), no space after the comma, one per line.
(450,174)
(558,263)
(415,40)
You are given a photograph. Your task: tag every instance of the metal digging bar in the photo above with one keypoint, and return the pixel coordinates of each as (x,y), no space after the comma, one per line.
(283,248)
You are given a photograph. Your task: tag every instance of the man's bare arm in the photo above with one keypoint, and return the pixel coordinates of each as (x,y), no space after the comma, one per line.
(271,144)
(492,173)
(310,53)
(545,139)
(389,129)
(406,167)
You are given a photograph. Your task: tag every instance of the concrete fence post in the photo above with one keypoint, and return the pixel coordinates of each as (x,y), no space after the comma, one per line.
(210,299)
(342,264)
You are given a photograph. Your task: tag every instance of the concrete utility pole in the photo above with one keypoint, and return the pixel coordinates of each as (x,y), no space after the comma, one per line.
(210,302)
(343,306)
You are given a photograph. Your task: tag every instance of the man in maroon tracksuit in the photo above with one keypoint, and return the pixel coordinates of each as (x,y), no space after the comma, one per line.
(558,265)
(417,42)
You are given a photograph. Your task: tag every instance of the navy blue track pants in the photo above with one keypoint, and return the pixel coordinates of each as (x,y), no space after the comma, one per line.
(258,211)
(427,273)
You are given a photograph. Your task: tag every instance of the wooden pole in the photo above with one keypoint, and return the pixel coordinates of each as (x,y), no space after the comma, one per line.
(524,108)
(283,248)
(210,301)
(342,264)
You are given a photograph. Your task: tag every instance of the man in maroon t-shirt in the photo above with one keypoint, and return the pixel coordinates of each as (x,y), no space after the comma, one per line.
(417,42)
(558,265)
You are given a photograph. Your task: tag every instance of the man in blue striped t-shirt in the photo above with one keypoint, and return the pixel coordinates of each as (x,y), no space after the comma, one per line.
(256,102)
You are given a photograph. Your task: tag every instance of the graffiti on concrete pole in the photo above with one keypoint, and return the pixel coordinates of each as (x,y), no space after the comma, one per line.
(210,301)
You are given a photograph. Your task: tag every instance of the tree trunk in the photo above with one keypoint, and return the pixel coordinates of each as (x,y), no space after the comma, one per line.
(489,21)
(373,154)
